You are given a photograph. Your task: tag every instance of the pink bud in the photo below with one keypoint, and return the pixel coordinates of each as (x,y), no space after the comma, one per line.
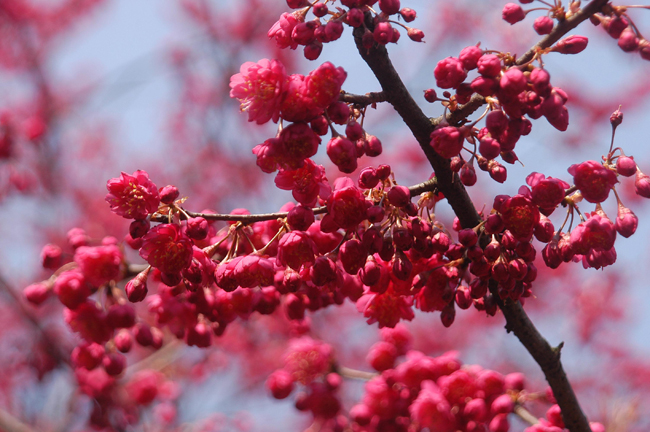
(642,185)
(300,218)
(37,293)
(280,383)
(399,196)
(372,146)
(628,41)
(430,95)
(168,194)
(382,356)
(543,25)
(513,13)
(197,228)
(136,288)
(571,45)
(626,166)
(626,221)
(355,18)
(354,131)
(408,14)
(415,34)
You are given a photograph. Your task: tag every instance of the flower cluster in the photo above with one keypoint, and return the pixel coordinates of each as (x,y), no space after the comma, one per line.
(414,393)
(293,29)
(517,93)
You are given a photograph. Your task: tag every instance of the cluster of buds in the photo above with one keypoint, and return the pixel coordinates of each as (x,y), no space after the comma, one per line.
(293,29)
(513,92)
(618,24)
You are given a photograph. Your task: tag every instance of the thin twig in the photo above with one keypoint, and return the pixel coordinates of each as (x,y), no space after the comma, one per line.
(346,372)
(525,415)
(427,186)
(363,100)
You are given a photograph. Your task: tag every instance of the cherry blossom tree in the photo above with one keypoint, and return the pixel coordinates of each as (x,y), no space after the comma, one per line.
(412,245)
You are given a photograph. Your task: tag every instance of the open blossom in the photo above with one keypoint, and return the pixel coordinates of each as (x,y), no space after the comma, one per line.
(306,183)
(386,309)
(324,84)
(295,249)
(99,264)
(596,233)
(297,105)
(520,216)
(547,192)
(132,196)
(260,87)
(594,180)
(306,359)
(167,248)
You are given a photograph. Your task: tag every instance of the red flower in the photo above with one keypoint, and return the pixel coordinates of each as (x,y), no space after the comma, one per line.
(132,196)
(594,180)
(447,141)
(72,288)
(259,87)
(307,359)
(282,29)
(596,233)
(89,320)
(547,193)
(167,248)
(298,142)
(347,206)
(306,183)
(295,249)
(99,264)
(431,410)
(324,84)
(520,216)
(297,104)
(449,73)
(387,309)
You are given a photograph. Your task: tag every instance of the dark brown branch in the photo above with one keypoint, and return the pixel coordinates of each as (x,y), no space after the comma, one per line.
(548,359)
(449,184)
(562,28)
(427,186)
(421,127)
(367,99)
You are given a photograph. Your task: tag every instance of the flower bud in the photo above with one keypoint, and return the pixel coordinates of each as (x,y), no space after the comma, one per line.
(513,13)
(626,166)
(136,288)
(571,45)
(626,221)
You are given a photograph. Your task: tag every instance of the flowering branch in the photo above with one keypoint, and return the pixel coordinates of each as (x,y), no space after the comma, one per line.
(461,113)
(517,320)
(427,186)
